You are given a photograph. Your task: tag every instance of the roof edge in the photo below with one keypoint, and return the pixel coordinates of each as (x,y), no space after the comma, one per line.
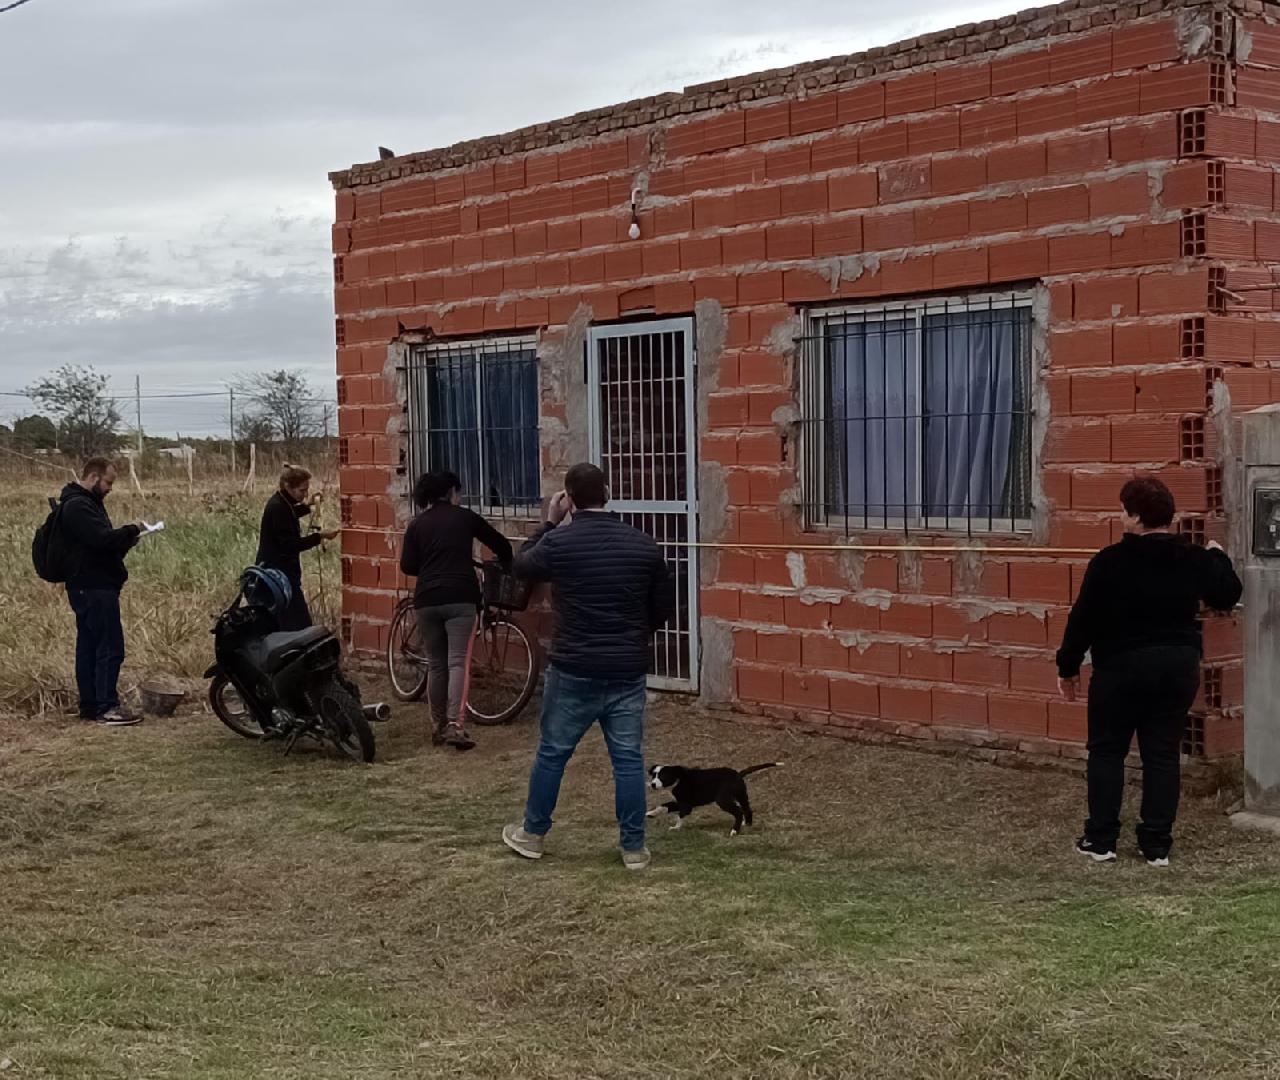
(970,39)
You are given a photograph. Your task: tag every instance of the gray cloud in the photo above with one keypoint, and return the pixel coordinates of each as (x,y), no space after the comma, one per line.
(166,208)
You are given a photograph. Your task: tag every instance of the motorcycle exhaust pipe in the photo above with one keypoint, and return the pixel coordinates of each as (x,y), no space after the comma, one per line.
(377,712)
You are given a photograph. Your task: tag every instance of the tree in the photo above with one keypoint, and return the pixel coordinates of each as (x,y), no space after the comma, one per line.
(280,404)
(34,433)
(88,420)
(254,427)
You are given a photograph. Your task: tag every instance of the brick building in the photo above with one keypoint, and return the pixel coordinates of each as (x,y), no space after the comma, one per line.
(947,293)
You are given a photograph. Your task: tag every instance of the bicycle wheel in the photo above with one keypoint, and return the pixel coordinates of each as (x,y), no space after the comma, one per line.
(406,662)
(504,671)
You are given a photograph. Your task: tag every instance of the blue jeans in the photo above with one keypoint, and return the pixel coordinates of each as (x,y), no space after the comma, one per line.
(99,649)
(570,705)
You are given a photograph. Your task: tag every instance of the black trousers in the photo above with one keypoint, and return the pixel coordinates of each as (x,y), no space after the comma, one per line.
(1147,692)
(297,616)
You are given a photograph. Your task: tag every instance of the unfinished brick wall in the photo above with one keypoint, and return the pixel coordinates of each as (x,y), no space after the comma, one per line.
(1117,158)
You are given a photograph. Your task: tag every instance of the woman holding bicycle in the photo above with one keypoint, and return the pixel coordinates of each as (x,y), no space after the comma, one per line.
(437,551)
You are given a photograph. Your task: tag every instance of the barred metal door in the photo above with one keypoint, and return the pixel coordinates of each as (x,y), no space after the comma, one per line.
(644,436)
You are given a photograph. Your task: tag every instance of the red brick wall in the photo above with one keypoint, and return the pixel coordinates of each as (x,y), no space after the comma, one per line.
(1123,164)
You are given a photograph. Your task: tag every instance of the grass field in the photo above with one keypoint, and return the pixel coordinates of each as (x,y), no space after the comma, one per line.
(180,903)
(179,580)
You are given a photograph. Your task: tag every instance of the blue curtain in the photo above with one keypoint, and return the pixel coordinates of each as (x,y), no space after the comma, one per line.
(969,375)
(509,403)
(483,413)
(873,429)
(453,419)
(960,456)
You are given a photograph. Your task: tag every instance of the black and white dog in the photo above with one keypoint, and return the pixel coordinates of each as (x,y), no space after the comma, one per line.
(701,787)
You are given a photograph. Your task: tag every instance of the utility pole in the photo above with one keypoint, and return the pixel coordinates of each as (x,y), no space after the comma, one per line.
(328,450)
(137,401)
(231,390)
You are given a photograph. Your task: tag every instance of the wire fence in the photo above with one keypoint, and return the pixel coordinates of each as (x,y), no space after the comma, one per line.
(176,433)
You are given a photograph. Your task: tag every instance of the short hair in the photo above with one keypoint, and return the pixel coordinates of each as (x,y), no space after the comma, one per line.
(1149,500)
(96,466)
(293,476)
(434,487)
(586,486)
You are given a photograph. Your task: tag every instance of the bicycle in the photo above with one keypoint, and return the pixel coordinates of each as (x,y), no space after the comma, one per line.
(505,661)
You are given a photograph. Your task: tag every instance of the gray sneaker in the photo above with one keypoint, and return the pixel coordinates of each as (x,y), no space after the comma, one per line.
(454,736)
(637,860)
(521,842)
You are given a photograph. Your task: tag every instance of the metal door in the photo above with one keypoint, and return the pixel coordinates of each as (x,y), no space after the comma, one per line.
(643,433)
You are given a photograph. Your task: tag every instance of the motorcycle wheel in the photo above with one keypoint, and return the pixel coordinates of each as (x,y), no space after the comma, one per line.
(342,720)
(230,708)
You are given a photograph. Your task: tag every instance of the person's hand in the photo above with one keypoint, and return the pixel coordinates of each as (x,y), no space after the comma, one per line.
(331,534)
(140,525)
(559,507)
(1213,545)
(1069,688)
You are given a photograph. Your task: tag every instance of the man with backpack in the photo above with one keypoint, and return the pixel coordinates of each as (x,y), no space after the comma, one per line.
(77,545)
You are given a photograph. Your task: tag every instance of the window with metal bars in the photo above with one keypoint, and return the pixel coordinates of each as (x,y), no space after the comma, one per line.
(918,415)
(473,408)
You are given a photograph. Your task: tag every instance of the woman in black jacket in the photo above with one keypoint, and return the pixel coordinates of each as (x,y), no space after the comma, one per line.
(281,543)
(438,551)
(1136,615)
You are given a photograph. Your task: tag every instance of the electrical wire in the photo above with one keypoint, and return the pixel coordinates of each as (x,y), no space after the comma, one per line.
(15,4)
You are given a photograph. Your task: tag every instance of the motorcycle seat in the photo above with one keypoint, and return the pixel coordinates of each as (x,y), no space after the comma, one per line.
(274,649)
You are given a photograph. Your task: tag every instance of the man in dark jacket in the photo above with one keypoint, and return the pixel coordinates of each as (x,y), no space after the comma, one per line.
(96,555)
(1136,615)
(281,543)
(610,592)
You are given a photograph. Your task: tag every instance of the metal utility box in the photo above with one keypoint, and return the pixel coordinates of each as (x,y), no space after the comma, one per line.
(1266,522)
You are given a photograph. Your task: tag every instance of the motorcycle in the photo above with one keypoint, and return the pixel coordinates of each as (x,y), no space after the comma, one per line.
(272,684)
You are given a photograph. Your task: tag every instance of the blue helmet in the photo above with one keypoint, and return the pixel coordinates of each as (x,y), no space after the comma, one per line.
(265,588)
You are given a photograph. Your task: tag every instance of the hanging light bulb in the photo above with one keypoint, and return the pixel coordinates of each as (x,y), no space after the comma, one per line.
(634,230)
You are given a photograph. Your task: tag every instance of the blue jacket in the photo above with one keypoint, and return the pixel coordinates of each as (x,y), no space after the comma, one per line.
(610,591)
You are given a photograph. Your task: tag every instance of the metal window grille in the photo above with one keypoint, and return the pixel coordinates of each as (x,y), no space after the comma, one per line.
(918,415)
(473,409)
(643,434)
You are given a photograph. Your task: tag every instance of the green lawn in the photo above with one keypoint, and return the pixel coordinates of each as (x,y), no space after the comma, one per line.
(179,903)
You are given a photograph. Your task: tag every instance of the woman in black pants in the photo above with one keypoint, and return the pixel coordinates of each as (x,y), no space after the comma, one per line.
(438,551)
(1136,614)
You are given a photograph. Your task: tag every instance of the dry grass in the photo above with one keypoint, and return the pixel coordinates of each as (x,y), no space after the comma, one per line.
(181,903)
(179,580)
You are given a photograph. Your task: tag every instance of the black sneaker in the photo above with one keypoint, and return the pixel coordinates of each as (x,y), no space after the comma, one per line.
(119,718)
(1096,852)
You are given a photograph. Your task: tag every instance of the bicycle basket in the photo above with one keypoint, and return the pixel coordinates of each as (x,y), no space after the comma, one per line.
(504,590)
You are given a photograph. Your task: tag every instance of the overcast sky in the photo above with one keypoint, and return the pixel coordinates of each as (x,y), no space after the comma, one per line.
(164,199)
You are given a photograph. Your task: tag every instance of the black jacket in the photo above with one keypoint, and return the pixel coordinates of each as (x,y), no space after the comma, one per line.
(438,551)
(1145,591)
(610,592)
(97,550)
(280,541)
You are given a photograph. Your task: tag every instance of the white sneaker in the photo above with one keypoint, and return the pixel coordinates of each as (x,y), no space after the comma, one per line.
(521,842)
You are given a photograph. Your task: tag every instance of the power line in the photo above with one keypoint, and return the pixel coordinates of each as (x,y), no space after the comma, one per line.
(10,7)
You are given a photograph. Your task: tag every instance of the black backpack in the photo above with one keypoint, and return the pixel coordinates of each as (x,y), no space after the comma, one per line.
(50,553)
